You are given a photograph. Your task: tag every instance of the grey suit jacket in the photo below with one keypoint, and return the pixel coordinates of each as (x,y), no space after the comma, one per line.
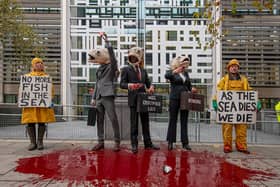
(106,77)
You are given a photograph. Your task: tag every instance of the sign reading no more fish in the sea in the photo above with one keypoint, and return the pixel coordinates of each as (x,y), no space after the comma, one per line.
(35,91)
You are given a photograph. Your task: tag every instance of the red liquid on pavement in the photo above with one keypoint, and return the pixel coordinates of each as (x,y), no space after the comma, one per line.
(107,168)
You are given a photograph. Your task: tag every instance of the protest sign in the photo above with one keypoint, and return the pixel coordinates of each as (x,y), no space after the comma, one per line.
(237,107)
(35,91)
(149,103)
(191,101)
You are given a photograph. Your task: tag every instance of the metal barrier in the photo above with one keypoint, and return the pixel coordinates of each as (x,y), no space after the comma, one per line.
(201,128)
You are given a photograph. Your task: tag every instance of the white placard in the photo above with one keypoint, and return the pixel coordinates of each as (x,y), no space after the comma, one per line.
(237,107)
(35,91)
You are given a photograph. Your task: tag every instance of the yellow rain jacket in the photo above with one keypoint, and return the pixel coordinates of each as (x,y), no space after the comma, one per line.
(240,129)
(37,114)
(277,109)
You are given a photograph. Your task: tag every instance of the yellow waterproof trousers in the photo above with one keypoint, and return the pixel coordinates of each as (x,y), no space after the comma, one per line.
(241,136)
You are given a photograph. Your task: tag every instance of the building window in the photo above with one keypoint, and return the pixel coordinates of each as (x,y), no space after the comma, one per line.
(208,81)
(194,33)
(167,58)
(202,64)
(114,22)
(122,39)
(84,22)
(149,36)
(171,35)
(92,74)
(149,71)
(10,98)
(76,42)
(75,56)
(162,22)
(84,58)
(172,48)
(93,23)
(149,59)
(77,72)
(196,80)
(149,47)
(99,40)
(81,12)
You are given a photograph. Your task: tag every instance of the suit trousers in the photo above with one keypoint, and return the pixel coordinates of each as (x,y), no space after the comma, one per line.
(174,107)
(144,116)
(107,104)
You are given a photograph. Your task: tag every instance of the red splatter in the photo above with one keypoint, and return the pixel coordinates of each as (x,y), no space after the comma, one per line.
(80,166)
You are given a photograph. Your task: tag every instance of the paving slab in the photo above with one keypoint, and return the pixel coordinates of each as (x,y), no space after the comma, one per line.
(264,159)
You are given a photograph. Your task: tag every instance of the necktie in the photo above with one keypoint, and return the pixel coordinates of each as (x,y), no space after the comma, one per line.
(138,73)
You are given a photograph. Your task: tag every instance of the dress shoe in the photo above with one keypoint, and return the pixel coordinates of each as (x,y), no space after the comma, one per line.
(170,146)
(32,147)
(243,151)
(134,149)
(151,146)
(187,147)
(116,147)
(227,150)
(98,147)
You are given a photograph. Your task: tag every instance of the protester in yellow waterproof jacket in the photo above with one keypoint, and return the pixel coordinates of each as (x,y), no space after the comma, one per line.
(234,81)
(40,115)
(277,109)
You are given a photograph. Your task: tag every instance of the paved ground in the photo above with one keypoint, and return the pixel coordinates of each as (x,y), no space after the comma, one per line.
(205,165)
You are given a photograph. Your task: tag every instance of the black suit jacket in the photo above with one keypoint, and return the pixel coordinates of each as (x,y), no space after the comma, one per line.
(129,75)
(177,84)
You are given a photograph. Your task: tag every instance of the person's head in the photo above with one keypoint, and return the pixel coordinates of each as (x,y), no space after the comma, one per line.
(37,64)
(99,56)
(181,61)
(233,66)
(136,56)
(90,90)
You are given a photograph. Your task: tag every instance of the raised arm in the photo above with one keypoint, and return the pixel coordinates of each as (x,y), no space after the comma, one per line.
(113,60)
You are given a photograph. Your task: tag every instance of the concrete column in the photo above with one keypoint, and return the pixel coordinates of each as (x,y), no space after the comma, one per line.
(66,96)
(217,56)
(1,74)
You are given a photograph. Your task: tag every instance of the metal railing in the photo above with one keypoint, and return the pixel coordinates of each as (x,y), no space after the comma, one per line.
(201,127)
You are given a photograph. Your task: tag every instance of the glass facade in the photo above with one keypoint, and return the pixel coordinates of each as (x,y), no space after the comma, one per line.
(253,38)
(164,29)
(44,17)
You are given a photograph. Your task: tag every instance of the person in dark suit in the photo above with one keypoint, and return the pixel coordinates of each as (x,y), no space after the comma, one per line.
(104,92)
(135,78)
(180,82)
